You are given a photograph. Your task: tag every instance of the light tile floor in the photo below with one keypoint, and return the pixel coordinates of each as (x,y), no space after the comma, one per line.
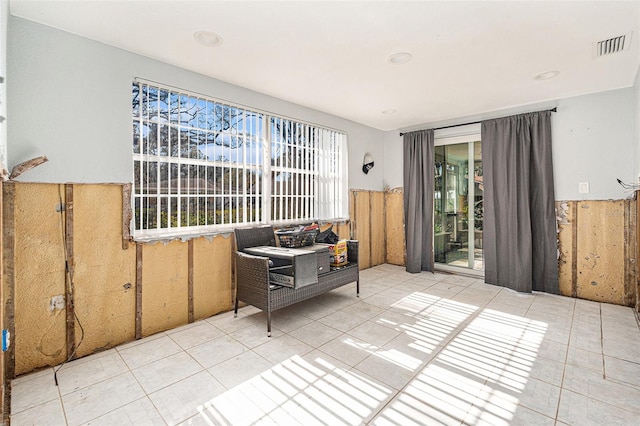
(412,350)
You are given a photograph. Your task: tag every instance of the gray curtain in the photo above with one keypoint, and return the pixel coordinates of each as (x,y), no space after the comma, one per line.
(519,229)
(418,162)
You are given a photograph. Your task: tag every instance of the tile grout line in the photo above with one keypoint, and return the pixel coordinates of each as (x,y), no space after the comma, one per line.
(64,411)
(604,371)
(564,366)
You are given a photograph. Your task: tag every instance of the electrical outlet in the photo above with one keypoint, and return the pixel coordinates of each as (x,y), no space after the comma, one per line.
(583,187)
(57,302)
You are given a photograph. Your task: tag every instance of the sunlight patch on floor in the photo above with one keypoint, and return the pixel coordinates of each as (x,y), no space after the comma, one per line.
(477,377)
(310,392)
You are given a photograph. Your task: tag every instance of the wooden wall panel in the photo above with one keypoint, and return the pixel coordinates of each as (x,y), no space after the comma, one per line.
(39,274)
(105,266)
(594,264)
(600,251)
(367,210)
(164,286)
(212,275)
(630,253)
(377,228)
(352,224)
(565,211)
(5,383)
(104,279)
(637,252)
(596,250)
(360,226)
(394,228)
(342,229)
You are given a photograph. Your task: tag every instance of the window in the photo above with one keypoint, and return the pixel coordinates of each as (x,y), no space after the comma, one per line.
(202,165)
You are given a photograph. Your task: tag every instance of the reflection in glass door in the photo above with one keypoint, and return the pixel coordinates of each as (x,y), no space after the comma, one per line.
(458,207)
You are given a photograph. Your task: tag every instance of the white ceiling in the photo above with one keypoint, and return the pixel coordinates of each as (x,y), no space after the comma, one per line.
(468,57)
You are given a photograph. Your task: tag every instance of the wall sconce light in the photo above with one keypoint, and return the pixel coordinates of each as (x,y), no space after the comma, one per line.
(367,163)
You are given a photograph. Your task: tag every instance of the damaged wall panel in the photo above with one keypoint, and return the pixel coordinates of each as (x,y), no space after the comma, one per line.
(104,279)
(212,275)
(377,231)
(394,227)
(594,248)
(343,230)
(630,253)
(164,289)
(360,230)
(565,216)
(174,280)
(5,385)
(600,251)
(597,259)
(368,226)
(39,274)
(636,282)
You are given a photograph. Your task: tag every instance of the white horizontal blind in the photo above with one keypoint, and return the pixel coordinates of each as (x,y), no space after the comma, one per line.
(332,189)
(202,165)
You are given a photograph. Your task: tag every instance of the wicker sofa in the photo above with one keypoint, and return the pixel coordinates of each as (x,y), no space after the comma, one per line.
(252,275)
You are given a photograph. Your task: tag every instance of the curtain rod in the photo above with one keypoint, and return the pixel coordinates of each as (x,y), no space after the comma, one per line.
(474,122)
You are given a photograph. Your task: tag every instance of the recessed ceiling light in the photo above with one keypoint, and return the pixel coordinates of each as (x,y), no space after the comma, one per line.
(547,75)
(208,38)
(389,111)
(399,58)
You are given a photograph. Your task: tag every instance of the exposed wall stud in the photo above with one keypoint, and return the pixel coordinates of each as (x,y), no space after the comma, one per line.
(190,280)
(8,291)
(630,265)
(69,270)
(574,250)
(384,225)
(127,215)
(637,251)
(234,272)
(353,230)
(138,291)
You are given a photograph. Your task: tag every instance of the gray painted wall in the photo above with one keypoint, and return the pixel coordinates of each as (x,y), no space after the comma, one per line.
(636,151)
(593,141)
(4,20)
(594,138)
(70,99)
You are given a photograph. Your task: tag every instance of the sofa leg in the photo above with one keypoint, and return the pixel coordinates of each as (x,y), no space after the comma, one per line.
(268,323)
(235,311)
(358,288)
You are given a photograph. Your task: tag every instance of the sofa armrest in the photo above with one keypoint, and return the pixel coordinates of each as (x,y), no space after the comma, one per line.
(252,277)
(352,251)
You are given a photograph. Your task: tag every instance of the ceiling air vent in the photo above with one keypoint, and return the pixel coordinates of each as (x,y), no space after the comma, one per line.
(612,45)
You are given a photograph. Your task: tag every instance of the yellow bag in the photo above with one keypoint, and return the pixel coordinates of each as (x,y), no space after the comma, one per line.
(338,253)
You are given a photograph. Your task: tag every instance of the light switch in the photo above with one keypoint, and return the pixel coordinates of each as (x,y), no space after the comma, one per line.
(583,187)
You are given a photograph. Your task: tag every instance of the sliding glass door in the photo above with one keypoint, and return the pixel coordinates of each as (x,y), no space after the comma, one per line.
(458,207)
